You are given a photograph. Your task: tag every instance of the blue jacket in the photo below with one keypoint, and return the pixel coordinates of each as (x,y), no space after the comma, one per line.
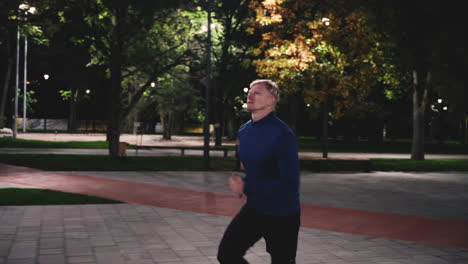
(268,151)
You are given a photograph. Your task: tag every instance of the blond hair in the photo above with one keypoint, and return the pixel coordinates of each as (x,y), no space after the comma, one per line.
(270,85)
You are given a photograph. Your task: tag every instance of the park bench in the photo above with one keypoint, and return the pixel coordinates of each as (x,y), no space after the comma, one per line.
(183,148)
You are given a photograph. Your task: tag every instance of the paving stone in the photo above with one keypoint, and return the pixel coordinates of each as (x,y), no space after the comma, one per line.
(21,261)
(23,249)
(4,248)
(81,259)
(51,243)
(51,251)
(141,261)
(51,259)
(79,251)
(163,255)
(188,253)
(109,257)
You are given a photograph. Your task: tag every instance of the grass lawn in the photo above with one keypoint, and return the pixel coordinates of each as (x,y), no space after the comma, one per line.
(305,144)
(26,143)
(55,162)
(26,196)
(419,165)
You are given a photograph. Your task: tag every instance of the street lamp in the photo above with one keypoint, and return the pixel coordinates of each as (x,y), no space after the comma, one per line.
(326,21)
(23,11)
(206,127)
(46,76)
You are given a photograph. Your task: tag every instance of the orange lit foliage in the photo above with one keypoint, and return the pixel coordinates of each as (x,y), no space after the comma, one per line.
(300,50)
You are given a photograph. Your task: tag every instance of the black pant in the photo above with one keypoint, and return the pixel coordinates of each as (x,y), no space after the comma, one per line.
(280,234)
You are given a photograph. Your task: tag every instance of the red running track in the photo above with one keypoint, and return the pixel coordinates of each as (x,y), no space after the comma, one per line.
(450,233)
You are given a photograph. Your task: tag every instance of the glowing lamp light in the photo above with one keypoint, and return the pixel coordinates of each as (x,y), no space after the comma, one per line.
(153,84)
(439,101)
(244,106)
(246,90)
(88,91)
(326,21)
(46,76)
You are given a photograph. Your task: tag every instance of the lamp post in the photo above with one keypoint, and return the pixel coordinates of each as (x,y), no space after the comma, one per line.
(15,115)
(25,82)
(326,22)
(206,126)
(437,120)
(23,11)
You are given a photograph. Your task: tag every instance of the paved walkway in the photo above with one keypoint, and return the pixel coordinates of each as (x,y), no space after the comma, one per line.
(148,139)
(214,153)
(179,217)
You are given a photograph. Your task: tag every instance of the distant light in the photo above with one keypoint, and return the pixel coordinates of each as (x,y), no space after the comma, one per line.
(326,21)
(244,106)
(88,91)
(24,6)
(246,90)
(32,10)
(153,84)
(28,82)
(439,101)
(445,108)
(46,76)
(308,105)
(28,8)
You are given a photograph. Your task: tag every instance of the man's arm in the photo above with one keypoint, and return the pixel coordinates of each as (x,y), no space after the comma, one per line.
(237,183)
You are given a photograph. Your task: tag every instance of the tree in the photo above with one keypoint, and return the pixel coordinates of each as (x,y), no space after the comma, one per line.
(13,22)
(174,95)
(7,30)
(231,60)
(423,35)
(326,50)
(132,39)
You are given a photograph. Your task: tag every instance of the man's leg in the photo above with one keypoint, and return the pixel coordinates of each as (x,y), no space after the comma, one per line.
(281,238)
(240,235)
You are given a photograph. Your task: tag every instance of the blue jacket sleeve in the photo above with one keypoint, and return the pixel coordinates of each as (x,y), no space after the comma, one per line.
(287,153)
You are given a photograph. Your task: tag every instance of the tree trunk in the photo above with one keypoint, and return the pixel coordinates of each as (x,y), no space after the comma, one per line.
(72,117)
(167,122)
(325,128)
(115,89)
(292,111)
(466,130)
(6,85)
(420,91)
(231,134)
